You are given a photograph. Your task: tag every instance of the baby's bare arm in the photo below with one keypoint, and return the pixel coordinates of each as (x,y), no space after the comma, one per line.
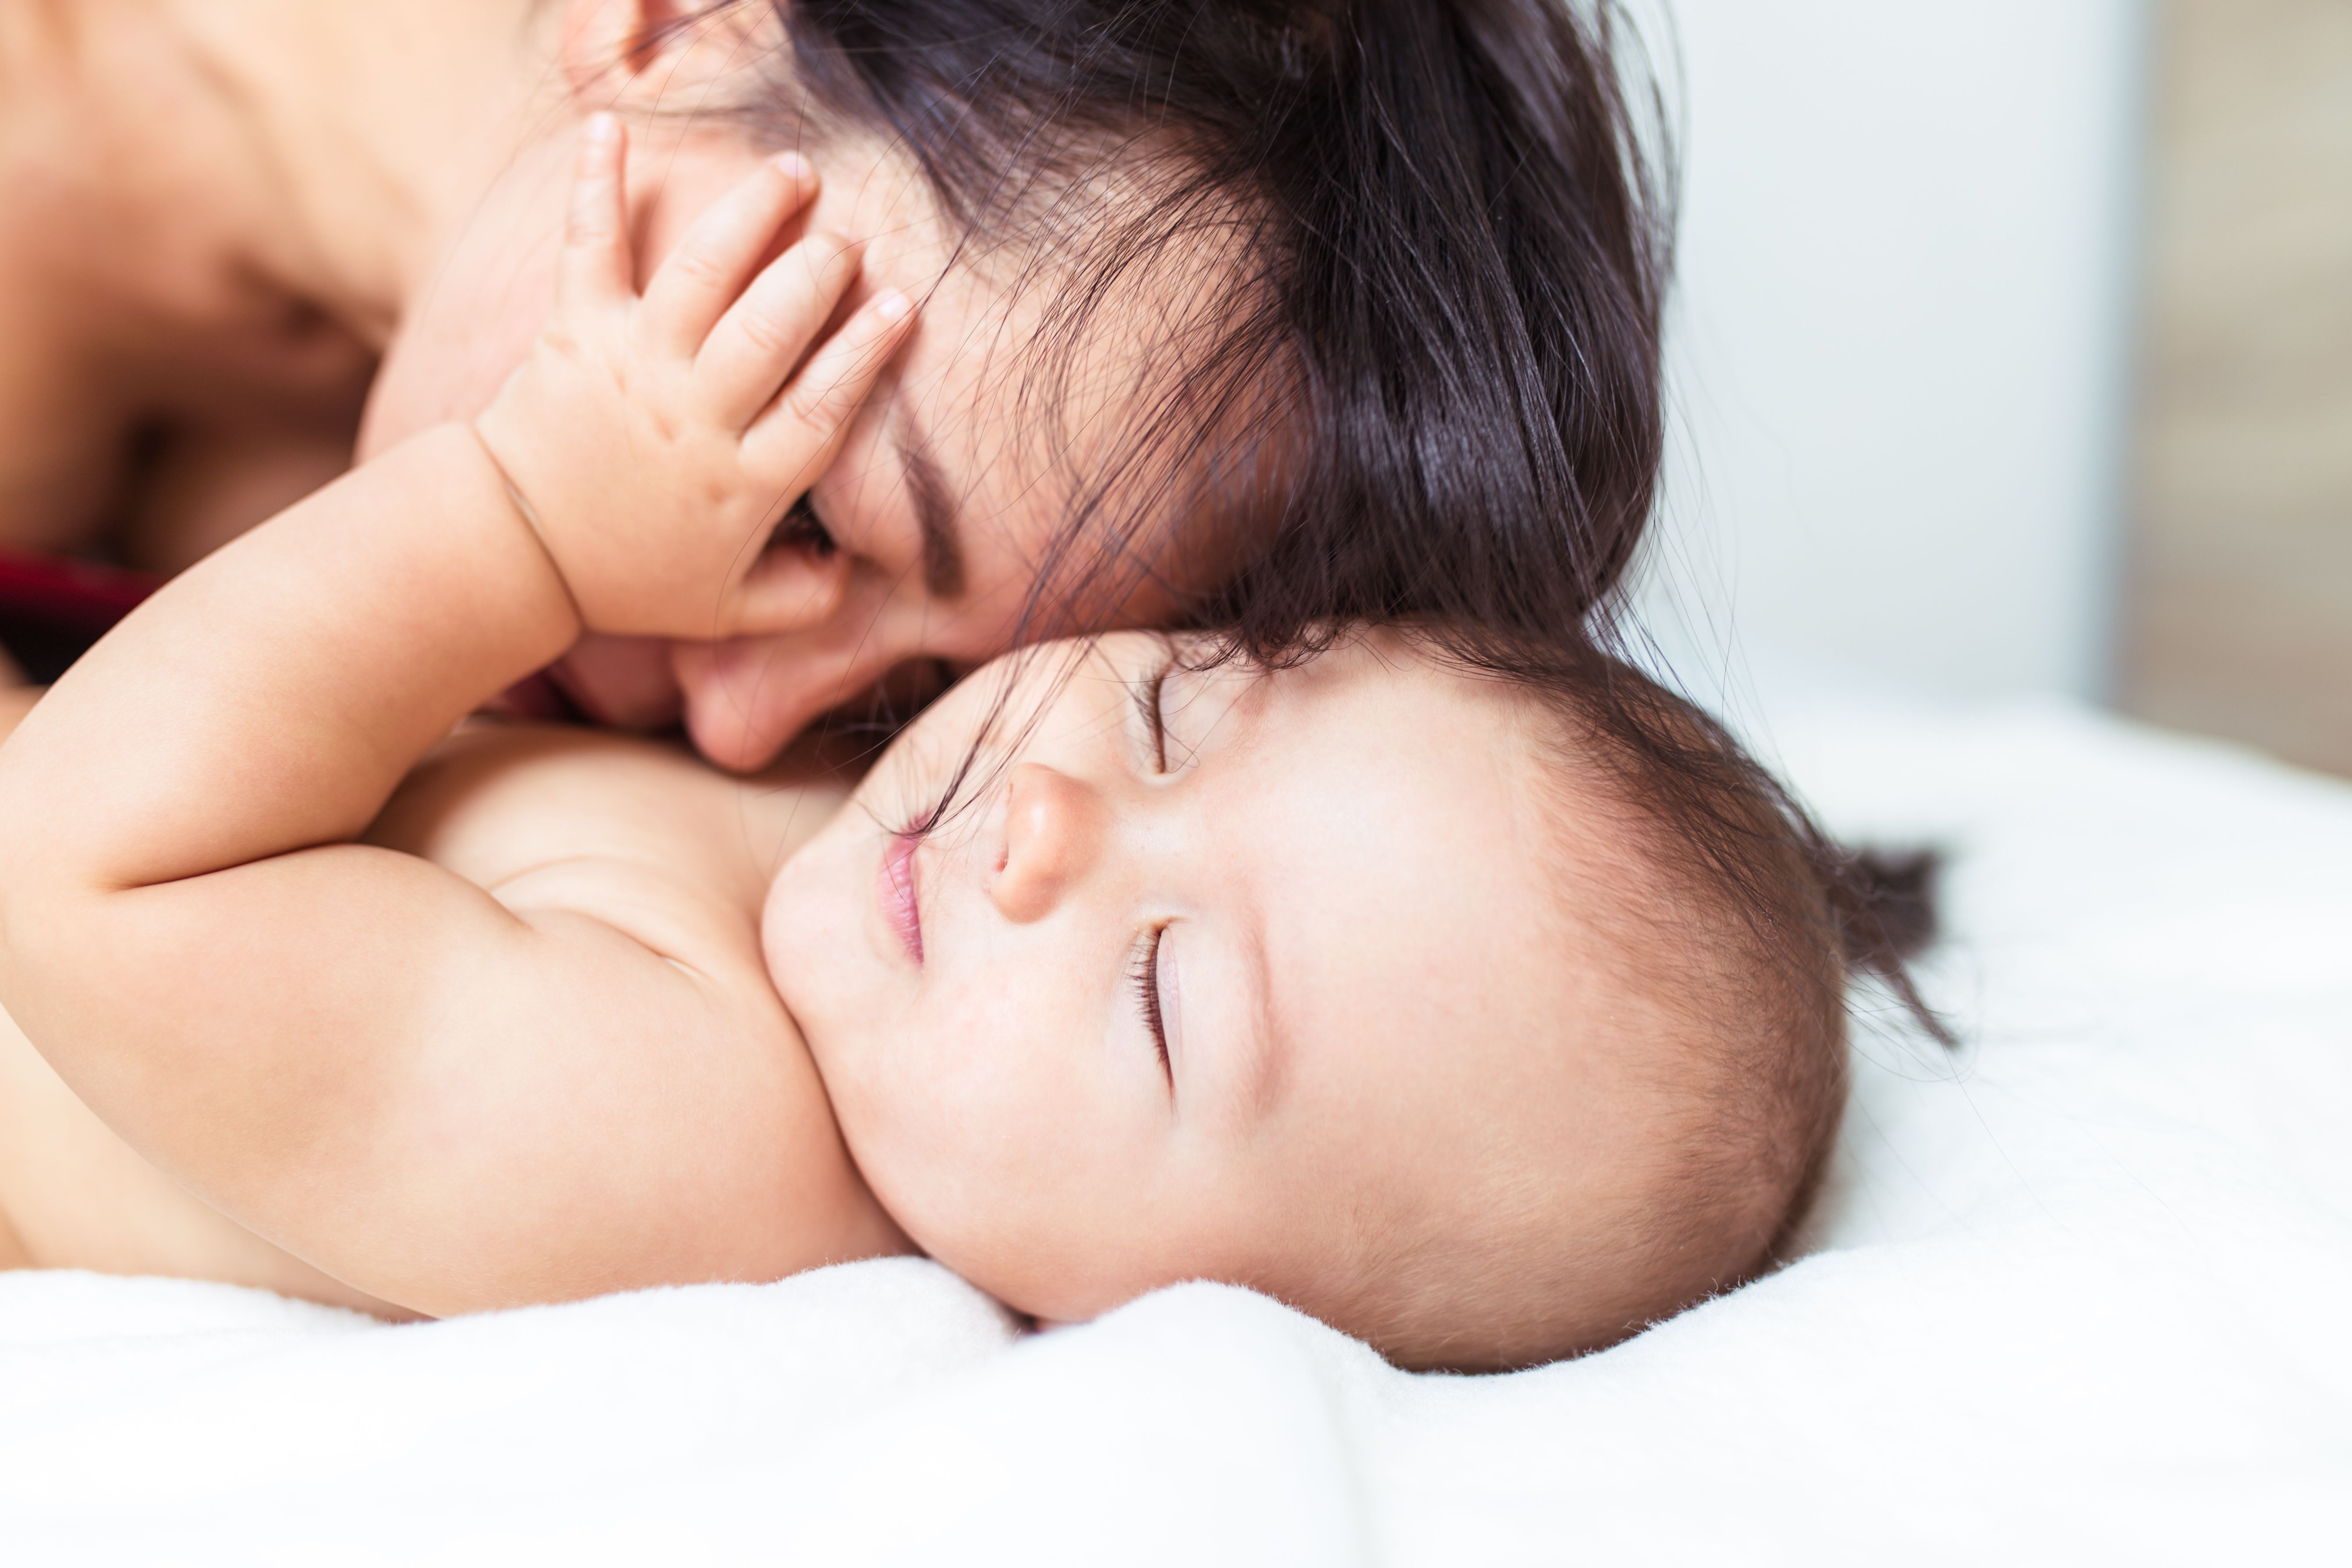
(447,1096)
(262,1007)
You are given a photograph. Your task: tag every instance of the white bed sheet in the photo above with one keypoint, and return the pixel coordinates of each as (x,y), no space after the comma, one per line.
(2079,1296)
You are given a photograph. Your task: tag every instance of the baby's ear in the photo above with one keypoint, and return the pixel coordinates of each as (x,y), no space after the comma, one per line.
(610,46)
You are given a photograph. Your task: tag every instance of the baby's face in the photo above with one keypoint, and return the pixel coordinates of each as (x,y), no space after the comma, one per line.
(1227,975)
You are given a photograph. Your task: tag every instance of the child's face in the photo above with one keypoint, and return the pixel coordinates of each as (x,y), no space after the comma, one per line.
(1327,878)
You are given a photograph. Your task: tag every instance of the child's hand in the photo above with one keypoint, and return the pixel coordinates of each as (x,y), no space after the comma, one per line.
(655,443)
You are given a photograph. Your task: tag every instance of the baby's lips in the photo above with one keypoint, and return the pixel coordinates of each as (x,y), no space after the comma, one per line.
(899,888)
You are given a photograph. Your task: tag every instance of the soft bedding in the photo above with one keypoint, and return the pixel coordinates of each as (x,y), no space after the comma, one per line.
(2079,1294)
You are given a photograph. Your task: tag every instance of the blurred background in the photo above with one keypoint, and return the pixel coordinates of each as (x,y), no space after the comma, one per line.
(2012,353)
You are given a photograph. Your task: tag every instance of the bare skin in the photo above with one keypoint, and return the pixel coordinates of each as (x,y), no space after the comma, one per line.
(197,309)
(1314,980)
(75,1195)
(248,238)
(503,807)
(457,1022)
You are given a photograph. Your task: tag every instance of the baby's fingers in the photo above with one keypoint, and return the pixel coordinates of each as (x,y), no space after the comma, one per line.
(596,270)
(707,270)
(794,441)
(763,335)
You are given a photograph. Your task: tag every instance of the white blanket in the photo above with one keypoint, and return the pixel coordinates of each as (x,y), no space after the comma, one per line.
(2079,1296)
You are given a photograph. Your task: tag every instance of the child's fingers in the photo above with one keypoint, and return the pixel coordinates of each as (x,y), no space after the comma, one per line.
(763,335)
(706,272)
(793,442)
(596,269)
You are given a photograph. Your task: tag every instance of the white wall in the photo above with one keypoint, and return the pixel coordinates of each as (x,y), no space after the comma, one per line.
(1898,349)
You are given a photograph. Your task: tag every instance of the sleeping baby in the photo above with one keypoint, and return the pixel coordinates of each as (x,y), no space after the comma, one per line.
(1377,979)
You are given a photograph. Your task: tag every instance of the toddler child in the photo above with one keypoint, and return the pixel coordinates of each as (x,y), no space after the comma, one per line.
(1373,979)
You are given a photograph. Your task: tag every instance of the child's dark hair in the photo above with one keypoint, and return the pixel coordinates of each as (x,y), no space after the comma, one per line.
(1431,384)
(1797,917)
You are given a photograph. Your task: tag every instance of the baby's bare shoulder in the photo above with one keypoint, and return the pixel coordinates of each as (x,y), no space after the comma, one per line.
(586,1131)
(690,1096)
(620,827)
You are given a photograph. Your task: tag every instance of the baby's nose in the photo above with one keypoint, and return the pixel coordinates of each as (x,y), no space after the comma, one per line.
(1053,826)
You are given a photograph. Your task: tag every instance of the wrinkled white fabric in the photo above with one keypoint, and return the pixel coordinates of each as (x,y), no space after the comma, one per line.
(2079,1294)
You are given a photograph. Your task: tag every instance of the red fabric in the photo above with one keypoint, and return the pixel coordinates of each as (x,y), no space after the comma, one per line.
(66,590)
(52,607)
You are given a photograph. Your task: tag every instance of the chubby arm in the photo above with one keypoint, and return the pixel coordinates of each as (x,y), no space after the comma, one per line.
(450,1096)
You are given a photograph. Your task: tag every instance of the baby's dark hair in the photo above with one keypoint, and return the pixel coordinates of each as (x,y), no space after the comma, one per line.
(1793,917)
(1732,929)
(1426,381)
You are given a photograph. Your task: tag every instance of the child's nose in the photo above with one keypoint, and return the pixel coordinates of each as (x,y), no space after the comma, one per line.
(1053,825)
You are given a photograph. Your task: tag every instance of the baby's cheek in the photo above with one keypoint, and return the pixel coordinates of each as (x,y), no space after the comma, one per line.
(949,1121)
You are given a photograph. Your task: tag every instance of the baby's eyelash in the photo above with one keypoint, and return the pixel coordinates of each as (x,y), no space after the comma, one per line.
(1147,700)
(1143,974)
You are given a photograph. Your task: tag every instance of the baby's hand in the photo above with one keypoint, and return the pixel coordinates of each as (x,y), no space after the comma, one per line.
(655,443)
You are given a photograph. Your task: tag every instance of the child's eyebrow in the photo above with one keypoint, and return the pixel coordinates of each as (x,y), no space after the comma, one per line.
(926,487)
